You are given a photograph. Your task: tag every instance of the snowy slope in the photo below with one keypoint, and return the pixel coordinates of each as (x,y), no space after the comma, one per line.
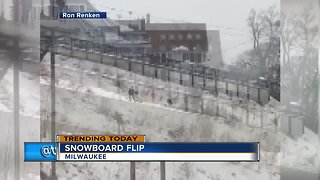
(88,106)
(85,77)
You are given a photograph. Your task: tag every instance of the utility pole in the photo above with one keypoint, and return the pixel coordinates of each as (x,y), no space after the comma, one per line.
(53,88)
(16,94)
(2,10)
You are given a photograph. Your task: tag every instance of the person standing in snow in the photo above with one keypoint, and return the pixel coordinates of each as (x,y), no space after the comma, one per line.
(169,101)
(131,93)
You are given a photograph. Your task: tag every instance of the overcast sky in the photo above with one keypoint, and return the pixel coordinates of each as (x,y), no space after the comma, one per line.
(228,16)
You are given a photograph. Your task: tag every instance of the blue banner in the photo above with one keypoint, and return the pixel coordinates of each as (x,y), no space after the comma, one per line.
(159,147)
(40,151)
(83,15)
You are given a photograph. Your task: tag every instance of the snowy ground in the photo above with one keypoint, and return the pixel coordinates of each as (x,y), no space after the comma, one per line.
(158,124)
(85,77)
(87,105)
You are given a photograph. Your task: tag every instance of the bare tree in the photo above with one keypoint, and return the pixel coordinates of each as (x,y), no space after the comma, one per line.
(299,35)
(263,59)
(254,22)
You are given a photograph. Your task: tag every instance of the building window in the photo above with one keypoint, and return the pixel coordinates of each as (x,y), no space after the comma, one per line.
(163,37)
(198,36)
(198,57)
(189,36)
(191,57)
(184,56)
(171,37)
(180,37)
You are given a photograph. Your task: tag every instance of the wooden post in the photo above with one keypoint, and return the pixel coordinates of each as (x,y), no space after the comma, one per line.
(87,49)
(155,70)
(227,90)
(143,61)
(217,110)
(192,76)
(216,81)
(115,61)
(168,70)
(153,95)
(16,102)
(180,69)
(71,47)
(101,53)
(53,99)
(202,104)
(162,170)
(204,77)
(237,89)
(248,92)
(186,107)
(259,99)
(16,96)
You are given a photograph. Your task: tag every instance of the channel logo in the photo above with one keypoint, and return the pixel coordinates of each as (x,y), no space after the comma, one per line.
(47,151)
(40,151)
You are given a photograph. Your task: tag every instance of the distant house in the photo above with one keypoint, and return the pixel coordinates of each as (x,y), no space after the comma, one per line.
(133,40)
(181,41)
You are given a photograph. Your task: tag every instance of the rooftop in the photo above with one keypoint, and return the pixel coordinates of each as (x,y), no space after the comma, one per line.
(176,27)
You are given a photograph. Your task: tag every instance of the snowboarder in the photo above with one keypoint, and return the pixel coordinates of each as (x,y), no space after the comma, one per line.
(131,93)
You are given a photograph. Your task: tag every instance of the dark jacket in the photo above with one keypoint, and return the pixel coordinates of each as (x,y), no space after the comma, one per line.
(131,91)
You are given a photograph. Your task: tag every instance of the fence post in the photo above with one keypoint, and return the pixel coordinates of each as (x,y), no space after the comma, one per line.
(129,65)
(217,110)
(180,69)
(132,170)
(259,99)
(202,104)
(227,86)
(204,77)
(186,108)
(71,51)
(153,95)
(162,170)
(101,54)
(248,92)
(216,82)
(237,89)
(155,70)
(143,61)
(168,70)
(192,76)
(87,49)
(115,61)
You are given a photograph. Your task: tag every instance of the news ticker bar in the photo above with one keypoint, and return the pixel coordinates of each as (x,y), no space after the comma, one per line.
(83,15)
(106,151)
